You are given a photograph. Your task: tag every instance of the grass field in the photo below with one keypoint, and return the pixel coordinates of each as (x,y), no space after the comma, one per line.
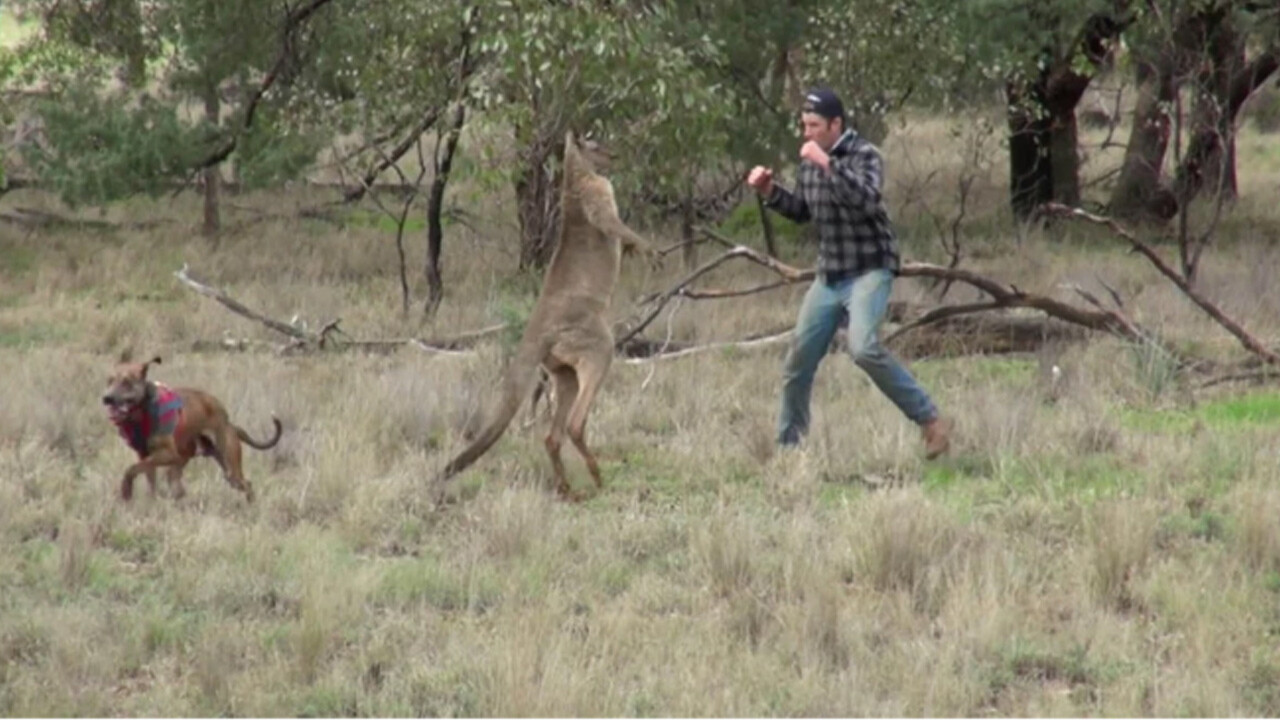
(1115,552)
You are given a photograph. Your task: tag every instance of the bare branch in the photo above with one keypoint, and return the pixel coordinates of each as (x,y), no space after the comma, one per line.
(1115,294)
(293,20)
(389,159)
(1002,296)
(737,251)
(239,308)
(328,335)
(697,349)
(1251,343)
(1256,376)
(939,314)
(723,293)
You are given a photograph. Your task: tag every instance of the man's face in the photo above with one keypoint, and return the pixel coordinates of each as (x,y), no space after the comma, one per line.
(821,130)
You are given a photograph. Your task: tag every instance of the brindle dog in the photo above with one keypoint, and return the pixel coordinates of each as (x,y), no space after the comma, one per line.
(169,426)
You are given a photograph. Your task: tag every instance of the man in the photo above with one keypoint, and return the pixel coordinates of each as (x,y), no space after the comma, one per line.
(838,187)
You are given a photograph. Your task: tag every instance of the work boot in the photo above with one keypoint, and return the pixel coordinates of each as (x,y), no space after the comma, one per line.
(937,437)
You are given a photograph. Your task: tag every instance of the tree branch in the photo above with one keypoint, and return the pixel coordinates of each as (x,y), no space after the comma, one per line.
(765,341)
(239,308)
(328,335)
(1002,296)
(1251,343)
(389,159)
(293,20)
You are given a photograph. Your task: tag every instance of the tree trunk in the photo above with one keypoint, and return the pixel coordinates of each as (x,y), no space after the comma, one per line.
(1139,194)
(1064,89)
(1064,153)
(537,215)
(1212,148)
(213,173)
(690,249)
(1212,136)
(435,206)
(1030,167)
(1044,147)
(537,201)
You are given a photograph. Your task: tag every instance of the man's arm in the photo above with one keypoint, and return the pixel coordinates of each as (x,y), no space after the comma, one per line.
(857,180)
(788,204)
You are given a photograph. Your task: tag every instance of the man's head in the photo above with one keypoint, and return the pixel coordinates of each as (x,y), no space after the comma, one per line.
(822,117)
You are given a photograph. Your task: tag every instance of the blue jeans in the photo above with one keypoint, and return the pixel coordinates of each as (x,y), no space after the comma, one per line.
(864,299)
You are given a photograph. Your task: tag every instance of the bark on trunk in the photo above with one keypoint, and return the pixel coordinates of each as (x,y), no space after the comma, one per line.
(1139,194)
(1212,147)
(1064,90)
(1030,169)
(537,207)
(212,174)
(690,250)
(435,207)
(1044,149)
(1064,156)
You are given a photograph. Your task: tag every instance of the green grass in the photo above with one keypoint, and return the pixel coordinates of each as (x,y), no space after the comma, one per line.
(1254,410)
(384,223)
(980,479)
(26,334)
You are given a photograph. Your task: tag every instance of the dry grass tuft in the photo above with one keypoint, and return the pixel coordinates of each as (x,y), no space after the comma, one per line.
(1121,537)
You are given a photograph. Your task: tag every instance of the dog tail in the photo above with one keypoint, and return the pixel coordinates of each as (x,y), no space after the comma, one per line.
(246,439)
(516,386)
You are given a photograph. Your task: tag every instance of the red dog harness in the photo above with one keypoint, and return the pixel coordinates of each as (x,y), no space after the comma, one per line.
(162,413)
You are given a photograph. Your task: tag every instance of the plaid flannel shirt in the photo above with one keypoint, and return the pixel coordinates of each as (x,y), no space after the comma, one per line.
(854,232)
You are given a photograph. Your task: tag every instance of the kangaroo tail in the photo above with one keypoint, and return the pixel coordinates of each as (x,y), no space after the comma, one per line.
(246,439)
(516,386)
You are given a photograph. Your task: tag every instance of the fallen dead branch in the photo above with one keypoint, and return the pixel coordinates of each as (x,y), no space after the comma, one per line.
(33,219)
(239,308)
(330,336)
(1257,377)
(765,341)
(1247,339)
(1002,296)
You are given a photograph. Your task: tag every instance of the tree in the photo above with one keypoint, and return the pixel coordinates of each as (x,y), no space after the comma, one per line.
(1231,73)
(1201,47)
(1046,55)
(120,75)
(550,67)
(396,71)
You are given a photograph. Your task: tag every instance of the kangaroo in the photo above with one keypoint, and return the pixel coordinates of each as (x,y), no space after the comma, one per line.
(568,333)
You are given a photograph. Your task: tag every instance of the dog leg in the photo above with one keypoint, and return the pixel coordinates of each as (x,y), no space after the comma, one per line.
(165,455)
(176,488)
(229,457)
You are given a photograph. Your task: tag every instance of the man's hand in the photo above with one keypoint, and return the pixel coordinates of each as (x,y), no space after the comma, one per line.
(814,153)
(761,178)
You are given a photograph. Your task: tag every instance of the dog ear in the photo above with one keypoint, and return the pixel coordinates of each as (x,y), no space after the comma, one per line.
(153,361)
(126,355)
